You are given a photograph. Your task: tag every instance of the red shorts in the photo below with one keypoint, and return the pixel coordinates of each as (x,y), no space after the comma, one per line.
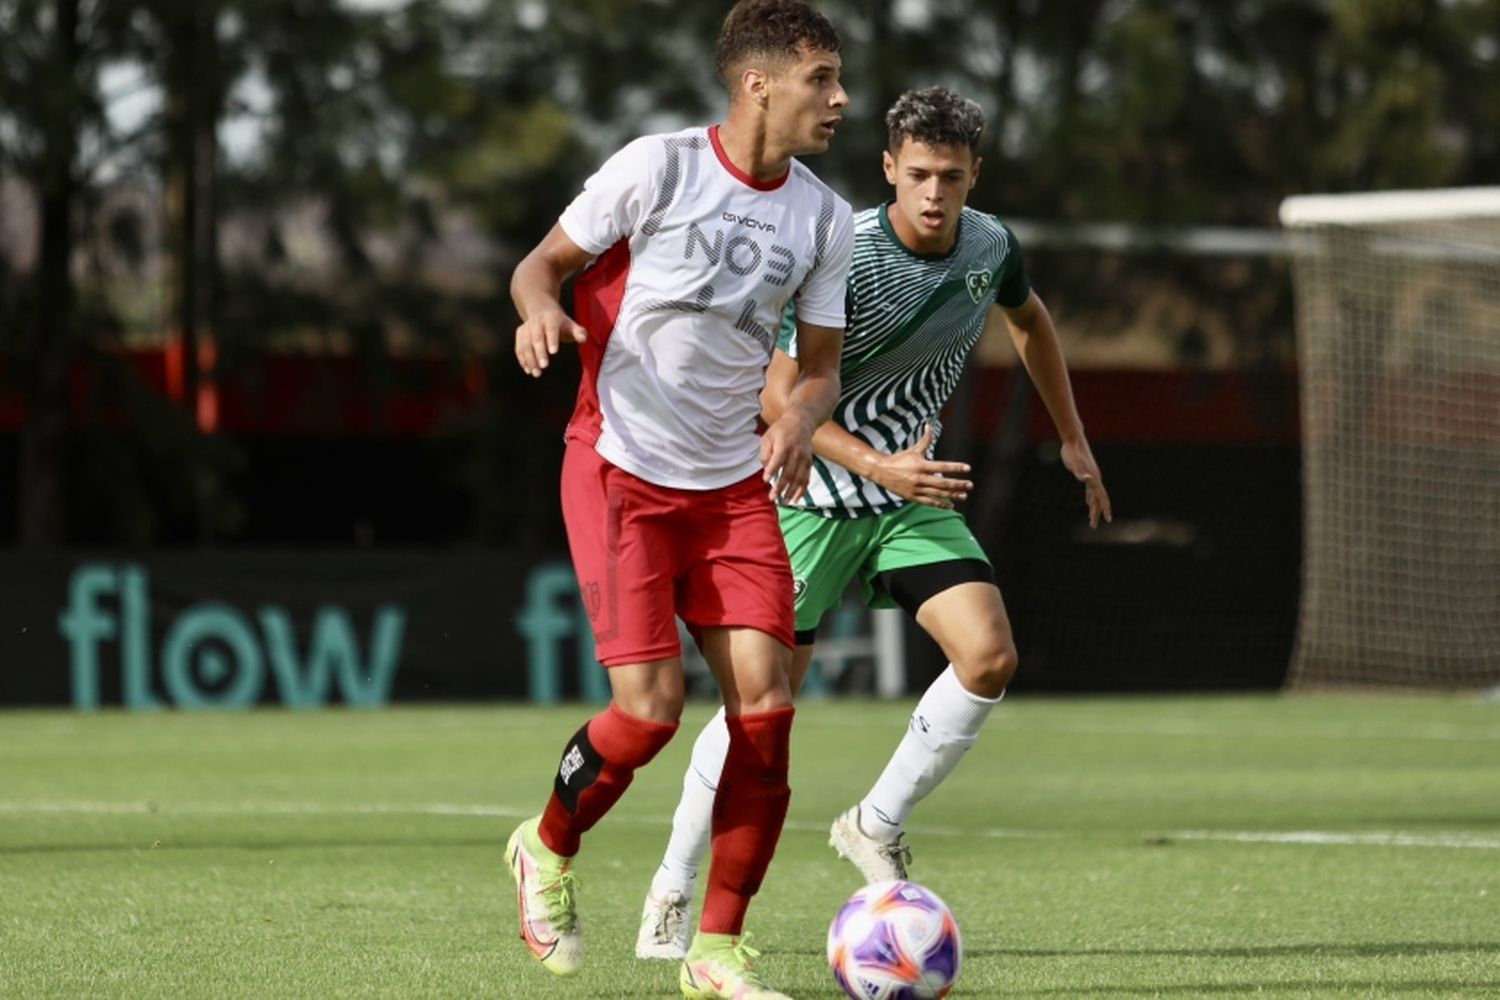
(646,554)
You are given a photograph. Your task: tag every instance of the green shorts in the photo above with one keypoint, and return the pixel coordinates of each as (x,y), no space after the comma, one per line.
(828,552)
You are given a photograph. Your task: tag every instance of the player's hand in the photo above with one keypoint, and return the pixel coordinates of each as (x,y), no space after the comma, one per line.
(786,456)
(538,338)
(1080,461)
(912,476)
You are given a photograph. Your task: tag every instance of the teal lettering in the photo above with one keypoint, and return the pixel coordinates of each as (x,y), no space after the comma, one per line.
(135,652)
(244,668)
(84,625)
(334,652)
(545,626)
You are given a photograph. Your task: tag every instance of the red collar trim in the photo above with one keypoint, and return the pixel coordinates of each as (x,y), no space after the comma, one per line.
(737,173)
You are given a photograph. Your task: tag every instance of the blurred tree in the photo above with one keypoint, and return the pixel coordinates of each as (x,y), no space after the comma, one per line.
(1161,113)
(50,76)
(402,159)
(1198,112)
(188,64)
(43,356)
(362,178)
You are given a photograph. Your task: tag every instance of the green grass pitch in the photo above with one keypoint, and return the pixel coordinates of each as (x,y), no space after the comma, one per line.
(1288,847)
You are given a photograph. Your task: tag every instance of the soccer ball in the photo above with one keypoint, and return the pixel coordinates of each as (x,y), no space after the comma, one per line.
(895,941)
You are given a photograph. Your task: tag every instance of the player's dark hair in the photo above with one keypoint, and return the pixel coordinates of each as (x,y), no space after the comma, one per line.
(935,116)
(771,28)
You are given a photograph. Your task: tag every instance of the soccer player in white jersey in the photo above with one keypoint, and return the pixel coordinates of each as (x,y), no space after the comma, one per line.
(930,277)
(691,245)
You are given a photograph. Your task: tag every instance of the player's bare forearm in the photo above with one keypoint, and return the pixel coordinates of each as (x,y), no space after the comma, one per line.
(786,455)
(811,384)
(832,442)
(908,473)
(781,376)
(812,400)
(535,286)
(815,391)
(786,446)
(1035,336)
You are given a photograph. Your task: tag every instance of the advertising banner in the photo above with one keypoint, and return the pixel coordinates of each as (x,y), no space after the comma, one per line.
(298,629)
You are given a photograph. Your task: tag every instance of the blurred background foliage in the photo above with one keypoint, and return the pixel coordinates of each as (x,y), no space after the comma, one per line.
(237,179)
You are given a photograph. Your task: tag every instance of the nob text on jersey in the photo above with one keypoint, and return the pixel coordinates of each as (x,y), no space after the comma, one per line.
(743,253)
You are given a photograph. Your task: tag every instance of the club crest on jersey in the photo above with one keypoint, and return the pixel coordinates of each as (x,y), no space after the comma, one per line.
(978,282)
(799,587)
(592,601)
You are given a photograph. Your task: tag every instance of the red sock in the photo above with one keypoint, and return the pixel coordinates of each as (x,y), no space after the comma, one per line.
(596,768)
(749,810)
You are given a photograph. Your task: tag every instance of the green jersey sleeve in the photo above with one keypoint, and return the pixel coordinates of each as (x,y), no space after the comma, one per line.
(1011,287)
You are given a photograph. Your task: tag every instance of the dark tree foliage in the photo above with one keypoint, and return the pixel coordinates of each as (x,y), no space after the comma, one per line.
(315,176)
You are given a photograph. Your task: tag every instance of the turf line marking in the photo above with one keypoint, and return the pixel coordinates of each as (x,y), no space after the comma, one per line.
(1435,734)
(1312,838)
(77,807)
(1020,722)
(266,808)
(1323,838)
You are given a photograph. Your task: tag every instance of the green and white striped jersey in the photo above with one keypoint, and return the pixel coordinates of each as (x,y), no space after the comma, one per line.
(913,320)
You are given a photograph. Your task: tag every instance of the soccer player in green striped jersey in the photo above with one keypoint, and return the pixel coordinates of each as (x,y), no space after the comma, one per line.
(930,277)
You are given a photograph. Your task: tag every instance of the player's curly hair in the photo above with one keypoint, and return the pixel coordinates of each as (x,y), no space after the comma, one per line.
(774,28)
(934,116)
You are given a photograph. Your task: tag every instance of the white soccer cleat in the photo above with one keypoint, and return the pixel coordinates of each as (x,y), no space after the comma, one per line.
(876,860)
(665,927)
(545,895)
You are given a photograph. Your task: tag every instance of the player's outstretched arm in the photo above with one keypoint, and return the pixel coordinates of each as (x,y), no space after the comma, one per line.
(794,413)
(535,288)
(1031,330)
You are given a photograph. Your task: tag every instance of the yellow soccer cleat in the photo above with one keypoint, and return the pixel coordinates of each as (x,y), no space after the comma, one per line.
(545,891)
(720,966)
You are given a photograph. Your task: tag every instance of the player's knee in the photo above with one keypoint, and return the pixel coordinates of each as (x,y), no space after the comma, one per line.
(756,691)
(989,672)
(764,699)
(655,705)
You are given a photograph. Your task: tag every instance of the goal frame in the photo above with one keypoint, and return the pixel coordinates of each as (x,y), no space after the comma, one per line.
(1301,213)
(1376,207)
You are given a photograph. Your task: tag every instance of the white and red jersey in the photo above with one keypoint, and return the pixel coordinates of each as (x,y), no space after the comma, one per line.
(696,263)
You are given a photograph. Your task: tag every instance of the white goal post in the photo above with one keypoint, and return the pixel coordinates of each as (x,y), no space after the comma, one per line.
(1398,339)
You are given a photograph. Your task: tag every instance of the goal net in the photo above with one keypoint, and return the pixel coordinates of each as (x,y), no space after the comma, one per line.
(1398,330)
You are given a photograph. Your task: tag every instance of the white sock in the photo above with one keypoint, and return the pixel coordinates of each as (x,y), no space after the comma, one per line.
(944,725)
(692,823)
